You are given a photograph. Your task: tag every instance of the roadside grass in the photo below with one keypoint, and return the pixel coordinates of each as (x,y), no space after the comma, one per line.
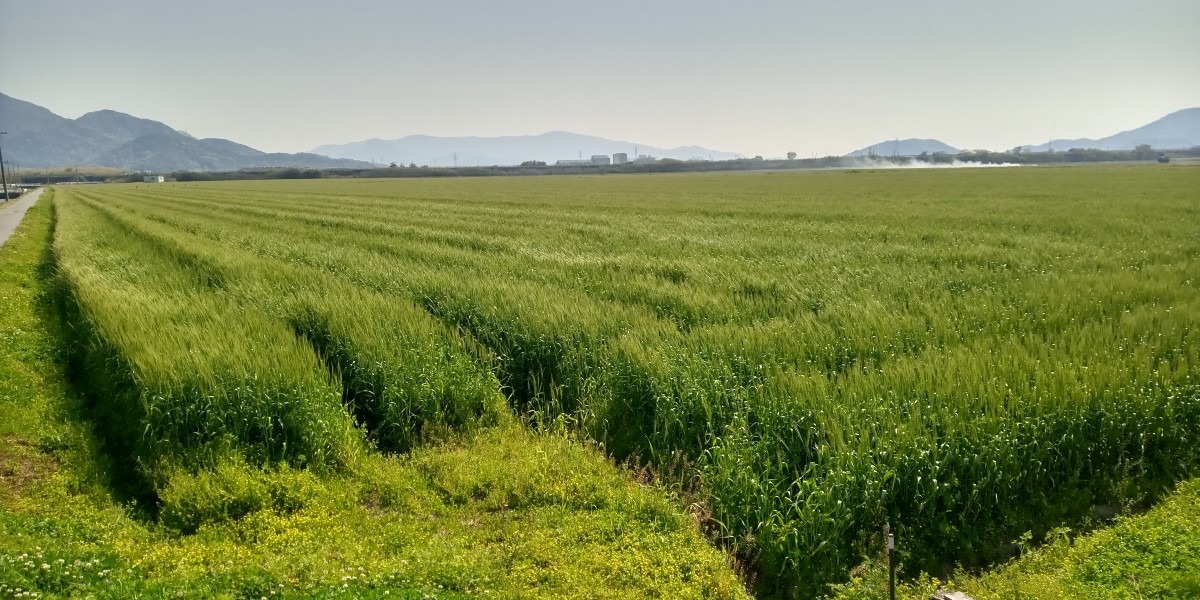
(496,511)
(1151,555)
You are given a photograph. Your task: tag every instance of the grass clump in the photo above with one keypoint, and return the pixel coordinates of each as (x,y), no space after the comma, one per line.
(1150,555)
(1154,555)
(230,491)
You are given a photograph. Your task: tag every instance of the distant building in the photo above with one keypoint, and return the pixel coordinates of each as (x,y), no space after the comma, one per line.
(574,163)
(601,159)
(620,158)
(153,179)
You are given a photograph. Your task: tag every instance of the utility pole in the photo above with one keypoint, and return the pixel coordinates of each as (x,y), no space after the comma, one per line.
(3,177)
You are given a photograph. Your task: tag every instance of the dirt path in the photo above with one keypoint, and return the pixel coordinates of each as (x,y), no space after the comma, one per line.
(13,211)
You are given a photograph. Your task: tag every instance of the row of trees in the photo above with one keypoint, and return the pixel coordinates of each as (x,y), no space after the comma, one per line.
(1019,155)
(1016,155)
(1074,155)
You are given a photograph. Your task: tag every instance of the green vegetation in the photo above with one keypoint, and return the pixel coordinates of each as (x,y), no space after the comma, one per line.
(489,511)
(1155,555)
(967,355)
(171,380)
(1015,156)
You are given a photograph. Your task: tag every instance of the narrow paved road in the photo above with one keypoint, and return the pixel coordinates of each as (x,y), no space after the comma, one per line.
(13,211)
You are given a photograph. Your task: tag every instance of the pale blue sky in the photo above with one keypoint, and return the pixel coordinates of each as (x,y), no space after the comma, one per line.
(751,77)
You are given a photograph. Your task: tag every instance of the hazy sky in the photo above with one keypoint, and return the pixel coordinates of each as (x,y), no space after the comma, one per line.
(751,77)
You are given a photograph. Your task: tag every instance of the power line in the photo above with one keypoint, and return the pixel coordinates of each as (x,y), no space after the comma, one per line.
(3,177)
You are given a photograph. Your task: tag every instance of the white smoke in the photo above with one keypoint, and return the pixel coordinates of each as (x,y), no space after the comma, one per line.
(869,163)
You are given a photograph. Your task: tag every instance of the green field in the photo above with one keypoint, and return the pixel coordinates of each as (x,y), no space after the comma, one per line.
(494,512)
(803,357)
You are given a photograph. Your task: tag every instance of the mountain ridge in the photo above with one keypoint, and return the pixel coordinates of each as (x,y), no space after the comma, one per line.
(107,138)
(548,147)
(120,126)
(1178,130)
(39,138)
(907,147)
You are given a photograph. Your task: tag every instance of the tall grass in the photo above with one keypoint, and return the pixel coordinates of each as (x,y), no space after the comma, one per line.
(405,377)
(179,375)
(964,355)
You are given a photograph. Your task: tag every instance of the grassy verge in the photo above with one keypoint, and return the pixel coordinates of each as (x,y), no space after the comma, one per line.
(1152,555)
(496,512)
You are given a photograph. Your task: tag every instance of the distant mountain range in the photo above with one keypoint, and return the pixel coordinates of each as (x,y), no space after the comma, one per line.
(506,150)
(909,147)
(39,138)
(1176,131)
(106,138)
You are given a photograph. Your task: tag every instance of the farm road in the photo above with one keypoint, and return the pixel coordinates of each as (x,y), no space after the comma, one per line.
(11,213)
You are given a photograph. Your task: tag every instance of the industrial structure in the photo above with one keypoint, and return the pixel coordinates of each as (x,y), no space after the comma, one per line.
(597,160)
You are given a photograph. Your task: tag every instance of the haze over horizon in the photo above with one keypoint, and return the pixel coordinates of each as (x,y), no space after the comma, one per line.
(756,78)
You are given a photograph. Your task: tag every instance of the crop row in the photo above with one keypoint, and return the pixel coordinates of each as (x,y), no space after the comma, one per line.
(190,359)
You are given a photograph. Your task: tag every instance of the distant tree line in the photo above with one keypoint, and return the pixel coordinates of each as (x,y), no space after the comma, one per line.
(1016,155)
(294,173)
(1073,155)
(53,179)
